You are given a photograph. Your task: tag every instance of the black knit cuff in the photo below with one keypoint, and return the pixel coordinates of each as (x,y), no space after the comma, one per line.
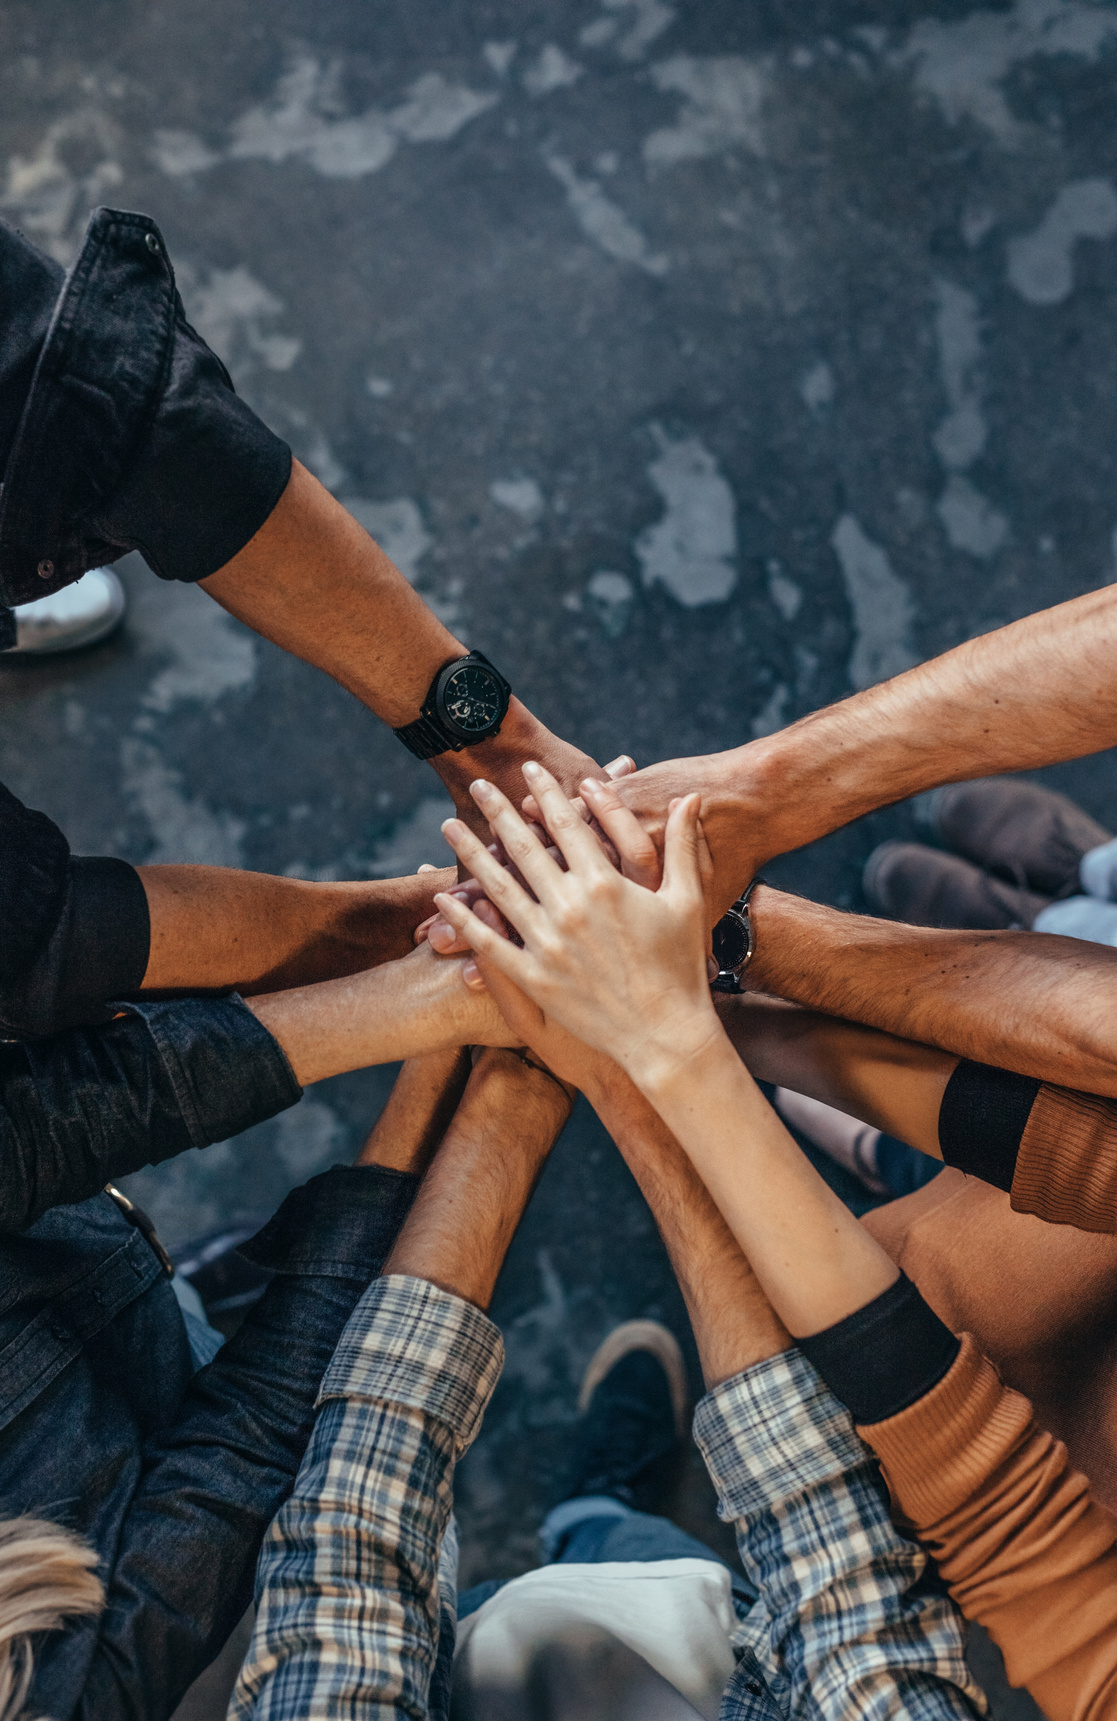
(340,1225)
(982,1118)
(884,1357)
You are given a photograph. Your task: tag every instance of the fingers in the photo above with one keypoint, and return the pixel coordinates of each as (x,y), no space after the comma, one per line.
(502,955)
(566,826)
(525,851)
(681,875)
(635,849)
(495,880)
(622,766)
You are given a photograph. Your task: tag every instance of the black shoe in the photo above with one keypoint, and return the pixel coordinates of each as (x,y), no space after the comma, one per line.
(906,881)
(1018,830)
(633,1403)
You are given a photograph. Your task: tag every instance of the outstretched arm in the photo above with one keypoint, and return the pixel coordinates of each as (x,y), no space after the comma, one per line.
(1038,691)
(1024,1001)
(314,582)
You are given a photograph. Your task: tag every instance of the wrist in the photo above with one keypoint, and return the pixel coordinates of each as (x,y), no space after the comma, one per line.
(662,1063)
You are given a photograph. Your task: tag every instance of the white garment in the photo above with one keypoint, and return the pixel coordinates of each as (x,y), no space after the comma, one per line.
(1080,917)
(660,1629)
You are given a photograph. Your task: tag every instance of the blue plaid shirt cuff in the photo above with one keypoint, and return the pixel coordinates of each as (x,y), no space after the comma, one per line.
(409,1343)
(772,1432)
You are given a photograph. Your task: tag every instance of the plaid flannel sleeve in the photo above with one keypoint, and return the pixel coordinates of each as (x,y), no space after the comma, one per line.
(347,1586)
(846,1625)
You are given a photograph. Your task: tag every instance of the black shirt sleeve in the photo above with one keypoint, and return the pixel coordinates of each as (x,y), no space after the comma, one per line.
(207,477)
(86,1107)
(884,1356)
(74,933)
(982,1119)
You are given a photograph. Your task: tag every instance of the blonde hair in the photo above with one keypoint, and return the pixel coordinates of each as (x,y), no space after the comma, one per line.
(46,1577)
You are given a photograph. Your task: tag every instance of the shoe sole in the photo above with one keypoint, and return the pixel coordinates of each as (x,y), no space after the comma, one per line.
(640,1336)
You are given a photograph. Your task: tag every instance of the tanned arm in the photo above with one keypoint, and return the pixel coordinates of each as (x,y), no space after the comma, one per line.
(1024,1001)
(216,927)
(1038,691)
(400,1010)
(314,582)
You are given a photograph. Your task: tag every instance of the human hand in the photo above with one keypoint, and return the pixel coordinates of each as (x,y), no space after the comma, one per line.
(619,966)
(498,761)
(739,811)
(641,864)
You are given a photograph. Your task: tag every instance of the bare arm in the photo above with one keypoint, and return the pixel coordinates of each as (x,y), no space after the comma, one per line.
(1038,691)
(1042,1006)
(472,1198)
(215,927)
(314,582)
(884,1081)
(400,1010)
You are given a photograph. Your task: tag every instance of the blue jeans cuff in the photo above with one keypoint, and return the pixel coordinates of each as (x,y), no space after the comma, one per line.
(570,1513)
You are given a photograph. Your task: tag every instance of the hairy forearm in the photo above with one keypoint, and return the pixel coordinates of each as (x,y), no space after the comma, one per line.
(885,1081)
(314,582)
(400,1010)
(473,1196)
(218,927)
(1040,1005)
(1042,690)
(733,1322)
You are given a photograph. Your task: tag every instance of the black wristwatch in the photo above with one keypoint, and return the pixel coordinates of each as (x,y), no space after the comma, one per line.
(733,943)
(467,703)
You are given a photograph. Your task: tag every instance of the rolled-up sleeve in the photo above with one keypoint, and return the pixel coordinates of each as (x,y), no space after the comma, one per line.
(347,1589)
(207,476)
(93,1104)
(846,1623)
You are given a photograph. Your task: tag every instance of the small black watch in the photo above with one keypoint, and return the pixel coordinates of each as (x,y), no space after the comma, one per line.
(733,943)
(467,703)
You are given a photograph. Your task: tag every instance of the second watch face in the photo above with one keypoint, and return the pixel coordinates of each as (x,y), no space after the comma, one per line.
(471,699)
(730,942)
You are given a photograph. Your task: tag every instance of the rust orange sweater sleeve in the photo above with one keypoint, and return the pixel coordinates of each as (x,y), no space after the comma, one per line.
(1023,1547)
(1066,1167)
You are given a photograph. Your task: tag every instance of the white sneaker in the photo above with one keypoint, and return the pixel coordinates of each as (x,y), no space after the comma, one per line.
(78,615)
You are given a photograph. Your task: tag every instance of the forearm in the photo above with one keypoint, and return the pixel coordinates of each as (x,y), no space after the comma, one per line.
(314,582)
(815,1263)
(893,1084)
(400,1010)
(217,927)
(1042,1006)
(482,1178)
(733,1322)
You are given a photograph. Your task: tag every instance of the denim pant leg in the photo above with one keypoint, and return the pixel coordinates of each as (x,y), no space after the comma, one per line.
(599,1528)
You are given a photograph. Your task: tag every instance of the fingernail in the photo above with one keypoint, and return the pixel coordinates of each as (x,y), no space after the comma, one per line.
(615,764)
(446,827)
(530,770)
(471,974)
(588,785)
(480,790)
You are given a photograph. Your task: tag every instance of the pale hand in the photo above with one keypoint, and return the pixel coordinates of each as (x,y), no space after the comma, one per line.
(616,964)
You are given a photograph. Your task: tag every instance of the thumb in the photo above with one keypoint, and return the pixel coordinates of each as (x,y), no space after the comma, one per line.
(681,873)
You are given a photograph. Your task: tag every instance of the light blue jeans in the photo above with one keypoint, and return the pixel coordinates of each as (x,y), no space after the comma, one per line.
(1092,916)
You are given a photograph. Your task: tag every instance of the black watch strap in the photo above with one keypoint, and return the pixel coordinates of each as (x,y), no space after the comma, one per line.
(426,738)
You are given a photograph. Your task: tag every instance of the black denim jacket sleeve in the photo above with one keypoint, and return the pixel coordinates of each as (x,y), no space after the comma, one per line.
(91,1105)
(212,1482)
(119,429)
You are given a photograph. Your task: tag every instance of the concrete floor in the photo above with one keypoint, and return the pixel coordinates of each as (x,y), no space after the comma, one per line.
(701,361)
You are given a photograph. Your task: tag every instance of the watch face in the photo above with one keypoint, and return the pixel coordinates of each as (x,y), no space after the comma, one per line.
(472,700)
(730,942)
